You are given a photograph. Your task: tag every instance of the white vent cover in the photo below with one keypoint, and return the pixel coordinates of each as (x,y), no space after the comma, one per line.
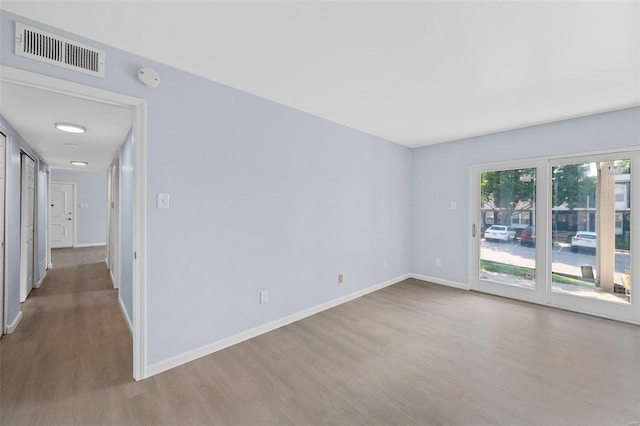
(52,49)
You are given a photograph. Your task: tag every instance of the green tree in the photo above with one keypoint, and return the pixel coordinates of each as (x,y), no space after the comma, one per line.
(625,166)
(572,184)
(509,191)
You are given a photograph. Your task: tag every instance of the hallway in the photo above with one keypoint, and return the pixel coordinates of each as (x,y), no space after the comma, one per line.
(72,342)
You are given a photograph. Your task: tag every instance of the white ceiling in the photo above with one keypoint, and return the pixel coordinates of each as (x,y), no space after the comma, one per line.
(34,113)
(416,73)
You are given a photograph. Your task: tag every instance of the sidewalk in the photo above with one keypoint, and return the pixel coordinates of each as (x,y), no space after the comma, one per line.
(575,290)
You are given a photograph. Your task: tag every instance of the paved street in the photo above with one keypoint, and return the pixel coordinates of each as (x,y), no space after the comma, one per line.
(564,260)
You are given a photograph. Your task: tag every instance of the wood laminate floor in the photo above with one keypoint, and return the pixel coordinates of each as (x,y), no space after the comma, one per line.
(413,353)
(63,257)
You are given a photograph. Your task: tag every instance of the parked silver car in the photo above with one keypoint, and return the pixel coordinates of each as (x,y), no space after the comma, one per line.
(500,233)
(583,239)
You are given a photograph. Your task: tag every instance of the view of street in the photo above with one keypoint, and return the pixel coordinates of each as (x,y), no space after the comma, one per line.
(564,261)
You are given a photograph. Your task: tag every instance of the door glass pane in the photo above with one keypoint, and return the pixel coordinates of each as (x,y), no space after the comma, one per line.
(591,228)
(508,236)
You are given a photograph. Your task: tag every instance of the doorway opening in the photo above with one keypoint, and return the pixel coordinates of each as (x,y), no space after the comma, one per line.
(137,108)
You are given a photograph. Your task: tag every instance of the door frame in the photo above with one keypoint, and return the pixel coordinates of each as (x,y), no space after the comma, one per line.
(606,309)
(75,216)
(138,107)
(34,220)
(3,224)
(113,222)
(538,295)
(544,270)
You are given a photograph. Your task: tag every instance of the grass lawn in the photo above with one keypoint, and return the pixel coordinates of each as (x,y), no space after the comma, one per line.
(521,271)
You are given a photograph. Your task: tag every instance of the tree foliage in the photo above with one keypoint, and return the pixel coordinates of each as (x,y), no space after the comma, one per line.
(625,166)
(504,190)
(511,191)
(572,184)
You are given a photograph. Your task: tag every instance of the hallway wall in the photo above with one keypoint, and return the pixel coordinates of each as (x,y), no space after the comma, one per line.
(15,143)
(263,197)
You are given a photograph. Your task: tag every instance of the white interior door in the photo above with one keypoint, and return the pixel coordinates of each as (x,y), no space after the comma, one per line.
(3,143)
(27,204)
(62,214)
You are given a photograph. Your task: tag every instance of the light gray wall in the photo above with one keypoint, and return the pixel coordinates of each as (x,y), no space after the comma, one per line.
(15,143)
(91,188)
(262,197)
(441,174)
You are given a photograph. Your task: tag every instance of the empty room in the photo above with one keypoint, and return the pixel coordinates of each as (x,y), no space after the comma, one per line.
(309,212)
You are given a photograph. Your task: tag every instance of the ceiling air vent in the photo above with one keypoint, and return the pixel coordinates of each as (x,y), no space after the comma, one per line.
(52,49)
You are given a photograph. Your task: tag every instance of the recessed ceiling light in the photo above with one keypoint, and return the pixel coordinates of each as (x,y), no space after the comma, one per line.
(70,128)
(72,145)
(79,163)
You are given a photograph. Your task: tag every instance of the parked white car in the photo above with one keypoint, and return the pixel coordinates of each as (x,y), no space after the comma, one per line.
(583,239)
(500,233)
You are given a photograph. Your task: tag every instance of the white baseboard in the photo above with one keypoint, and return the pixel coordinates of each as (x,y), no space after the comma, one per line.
(39,283)
(12,327)
(126,315)
(89,245)
(440,281)
(113,280)
(210,348)
(42,269)
(50,266)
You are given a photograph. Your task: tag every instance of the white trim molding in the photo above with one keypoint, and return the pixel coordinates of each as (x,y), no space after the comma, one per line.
(89,245)
(210,348)
(138,108)
(440,281)
(113,280)
(41,280)
(14,324)
(126,315)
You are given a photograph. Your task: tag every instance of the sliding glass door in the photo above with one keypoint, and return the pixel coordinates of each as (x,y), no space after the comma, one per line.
(506,254)
(592,218)
(562,232)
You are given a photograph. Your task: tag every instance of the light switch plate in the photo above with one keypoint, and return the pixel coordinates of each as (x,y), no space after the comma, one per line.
(163,200)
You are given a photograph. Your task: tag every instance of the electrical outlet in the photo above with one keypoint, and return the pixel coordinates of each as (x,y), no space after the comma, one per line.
(438,262)
(264,296)
(340,278)
(454,205)
(163,201)
(386,264)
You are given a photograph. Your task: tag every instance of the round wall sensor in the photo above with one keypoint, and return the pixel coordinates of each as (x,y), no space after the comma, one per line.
(149,77)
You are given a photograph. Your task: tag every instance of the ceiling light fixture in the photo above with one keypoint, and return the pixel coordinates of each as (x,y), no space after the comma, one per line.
(79,163)
(70,128)
(72,145)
